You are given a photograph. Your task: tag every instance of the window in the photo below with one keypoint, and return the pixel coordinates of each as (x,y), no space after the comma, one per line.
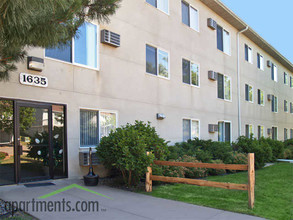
(224,134)
(82,50)
(190,129)
(274,73)
(260,131)
(291,107)
(260,97)
(248,53)
(190,72)
(286,78)
(157,62)
(274,133)
(291,133)
(248,130)
(260,62)
(285,134)
(223,40)
(95,125)
(162,5)
(224,87)
(285,106)
(275,104)
(248,93)
(190,16)
(291,81)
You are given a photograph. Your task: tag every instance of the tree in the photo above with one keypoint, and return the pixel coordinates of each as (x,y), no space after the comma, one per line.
(43,23)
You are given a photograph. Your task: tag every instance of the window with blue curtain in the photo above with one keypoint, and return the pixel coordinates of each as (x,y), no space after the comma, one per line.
(62,52)
(85,47)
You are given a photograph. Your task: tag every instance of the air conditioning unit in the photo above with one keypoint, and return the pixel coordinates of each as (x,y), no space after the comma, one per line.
(110,38)
(213,128)
(269,63)
(212,24)
(269,131)
(84,159)
(213,75)
(270,97)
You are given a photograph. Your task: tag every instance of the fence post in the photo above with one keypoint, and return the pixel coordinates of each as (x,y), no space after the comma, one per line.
(251,180)
(148,181)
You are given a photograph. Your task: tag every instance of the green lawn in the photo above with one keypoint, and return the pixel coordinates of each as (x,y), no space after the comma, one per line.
(273,193)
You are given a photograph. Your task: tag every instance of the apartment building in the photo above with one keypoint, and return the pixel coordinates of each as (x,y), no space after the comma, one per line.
(192,68)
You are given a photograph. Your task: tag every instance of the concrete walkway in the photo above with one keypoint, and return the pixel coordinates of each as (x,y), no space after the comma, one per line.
(123,205)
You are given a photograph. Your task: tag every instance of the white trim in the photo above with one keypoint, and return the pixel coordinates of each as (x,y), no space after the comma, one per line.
(226,121)
(190,61)
(191,119)
(250,59)
(261,67)
(189,9)
(248,93)
(249,128)
(72,53)
(264,131)
(157,59)
(227,100)
(98,110)
(166,13)
(230,45)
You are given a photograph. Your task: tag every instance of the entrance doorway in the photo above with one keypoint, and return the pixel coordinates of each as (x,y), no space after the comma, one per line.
(32,141)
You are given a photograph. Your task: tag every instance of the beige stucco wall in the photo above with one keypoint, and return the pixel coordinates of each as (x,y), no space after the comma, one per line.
(123,85)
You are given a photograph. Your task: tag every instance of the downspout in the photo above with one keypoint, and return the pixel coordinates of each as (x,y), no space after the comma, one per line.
(238,81)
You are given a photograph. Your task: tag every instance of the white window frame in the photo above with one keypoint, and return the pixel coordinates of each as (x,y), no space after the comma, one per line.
(249,54)
(274,99)
(228,100)
(191,62)
(157,59)
(191,119)
(167,13)
(99,129)
(277,132)
(288,106)
(72,53)
(230,46)
(286,78)
(189,9)
(291,82)
(250,86)
(261,63)
(275,72)
(263,97)
(264,130)
(231,129)
(252,128)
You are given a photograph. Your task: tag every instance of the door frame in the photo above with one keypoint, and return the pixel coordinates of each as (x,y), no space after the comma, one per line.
(18,105)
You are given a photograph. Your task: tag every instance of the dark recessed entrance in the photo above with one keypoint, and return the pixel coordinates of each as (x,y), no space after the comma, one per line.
(32,141)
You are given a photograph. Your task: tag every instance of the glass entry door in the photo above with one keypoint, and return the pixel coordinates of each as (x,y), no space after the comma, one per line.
(33,147)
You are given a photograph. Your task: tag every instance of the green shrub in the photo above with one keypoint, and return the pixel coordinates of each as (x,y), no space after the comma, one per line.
(214,172)
(125,149)
(187,172)
(288,153)
(238,158)
(251,145)
(203,150)
(276,146)
(3,155)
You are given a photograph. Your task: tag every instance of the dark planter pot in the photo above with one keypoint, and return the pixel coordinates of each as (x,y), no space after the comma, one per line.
(91,179)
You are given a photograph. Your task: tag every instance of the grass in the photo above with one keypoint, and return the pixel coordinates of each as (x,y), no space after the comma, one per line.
(273,193)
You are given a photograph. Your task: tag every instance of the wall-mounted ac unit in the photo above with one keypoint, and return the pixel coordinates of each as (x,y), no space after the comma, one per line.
(269,63)
(84,159)
(212,24)
(269,131)
(270,97)
(213,75)
(213,128)
(110,38)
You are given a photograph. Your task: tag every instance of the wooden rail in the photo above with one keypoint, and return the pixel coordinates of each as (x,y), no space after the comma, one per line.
(249,187)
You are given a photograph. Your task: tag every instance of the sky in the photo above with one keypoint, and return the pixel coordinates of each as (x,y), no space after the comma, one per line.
(271,19)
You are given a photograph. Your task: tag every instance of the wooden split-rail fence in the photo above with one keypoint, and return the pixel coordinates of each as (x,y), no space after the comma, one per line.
(248,187)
